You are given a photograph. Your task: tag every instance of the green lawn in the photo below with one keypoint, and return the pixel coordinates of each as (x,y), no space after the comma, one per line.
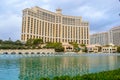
(105,75)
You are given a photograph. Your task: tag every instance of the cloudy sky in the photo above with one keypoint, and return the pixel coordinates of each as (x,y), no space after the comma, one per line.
(101,14)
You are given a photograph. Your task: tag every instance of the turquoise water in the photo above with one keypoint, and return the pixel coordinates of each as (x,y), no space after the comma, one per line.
(32,67)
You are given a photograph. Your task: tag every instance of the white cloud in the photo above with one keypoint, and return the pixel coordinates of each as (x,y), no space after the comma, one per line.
(10,26)
(93,32)
(110,25)
(100,14)
(91,13)
(46,1)
(46,7)
(10,2)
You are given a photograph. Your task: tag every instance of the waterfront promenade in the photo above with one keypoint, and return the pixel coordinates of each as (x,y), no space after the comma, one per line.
(28,51)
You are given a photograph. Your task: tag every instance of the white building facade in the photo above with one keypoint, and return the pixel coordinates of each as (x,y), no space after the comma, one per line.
(99,38)
(114,36)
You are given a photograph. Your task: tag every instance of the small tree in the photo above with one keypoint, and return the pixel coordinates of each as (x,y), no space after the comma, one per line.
(82,45)
(29,42)
(86,49)
(37,42)
(75,45)
(118,49)
(1,41)
(59,49)
(18,42)
(34,42)
(8,42)
(57,46)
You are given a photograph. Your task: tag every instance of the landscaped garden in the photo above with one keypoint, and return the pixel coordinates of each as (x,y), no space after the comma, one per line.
(105,75)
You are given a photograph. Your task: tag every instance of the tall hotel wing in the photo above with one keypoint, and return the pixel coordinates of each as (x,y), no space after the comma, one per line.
(53,27)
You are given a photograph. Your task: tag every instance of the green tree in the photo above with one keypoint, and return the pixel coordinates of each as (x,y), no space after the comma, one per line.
(118,49)
(34,43)
(75,45)
(37,42)
(8,42)
(18,42)
(85,50)
(1,41)
(57,46)
(29,42)
(59,49)
(82,45)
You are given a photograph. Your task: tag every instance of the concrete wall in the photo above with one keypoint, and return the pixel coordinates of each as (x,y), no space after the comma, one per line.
(29,51)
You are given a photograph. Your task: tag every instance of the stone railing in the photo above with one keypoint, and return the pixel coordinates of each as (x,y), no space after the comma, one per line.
(28,51)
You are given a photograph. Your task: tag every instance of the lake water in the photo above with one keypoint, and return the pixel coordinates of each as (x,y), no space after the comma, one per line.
(33,67)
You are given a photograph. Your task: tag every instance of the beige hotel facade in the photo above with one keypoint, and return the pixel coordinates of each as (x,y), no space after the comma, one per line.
(53,26)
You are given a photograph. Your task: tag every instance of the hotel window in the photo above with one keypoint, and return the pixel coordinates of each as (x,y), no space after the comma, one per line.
(28,24)
(68,27)
(24,23)
(56,30)
(82,42)
(59,30)
(71,32)
(29,13)
(37,26)
(31,24)
(46,29)
(51,30)
(84,32)
(23,27)
(63,32)
(34,26)
(43,28)
(76,32)
(27,37)
(24,36)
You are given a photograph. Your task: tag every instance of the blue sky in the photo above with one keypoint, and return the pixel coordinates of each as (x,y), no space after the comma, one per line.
(101,14)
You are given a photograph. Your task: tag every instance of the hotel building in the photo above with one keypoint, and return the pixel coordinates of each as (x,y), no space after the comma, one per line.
(53,27)
(114,35)
(99,38)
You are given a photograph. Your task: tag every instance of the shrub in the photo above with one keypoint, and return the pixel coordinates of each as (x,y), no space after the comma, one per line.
(105,75)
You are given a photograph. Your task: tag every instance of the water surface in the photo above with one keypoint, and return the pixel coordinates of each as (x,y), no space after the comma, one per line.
(32,67)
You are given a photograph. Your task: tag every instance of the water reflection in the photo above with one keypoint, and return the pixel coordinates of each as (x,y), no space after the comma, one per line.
(103,63)
(18,67)
(34,68)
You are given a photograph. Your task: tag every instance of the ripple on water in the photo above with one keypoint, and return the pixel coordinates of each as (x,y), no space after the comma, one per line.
(30,67)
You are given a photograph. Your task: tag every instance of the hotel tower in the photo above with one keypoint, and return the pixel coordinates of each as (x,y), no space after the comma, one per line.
(99,38)
(114,35)
(53,27)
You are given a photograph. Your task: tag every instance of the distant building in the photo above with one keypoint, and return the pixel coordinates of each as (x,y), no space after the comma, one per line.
(53,27)
(99,38)
(109,49)
(104,38)
(114,35)
(67,47)
(94,48)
